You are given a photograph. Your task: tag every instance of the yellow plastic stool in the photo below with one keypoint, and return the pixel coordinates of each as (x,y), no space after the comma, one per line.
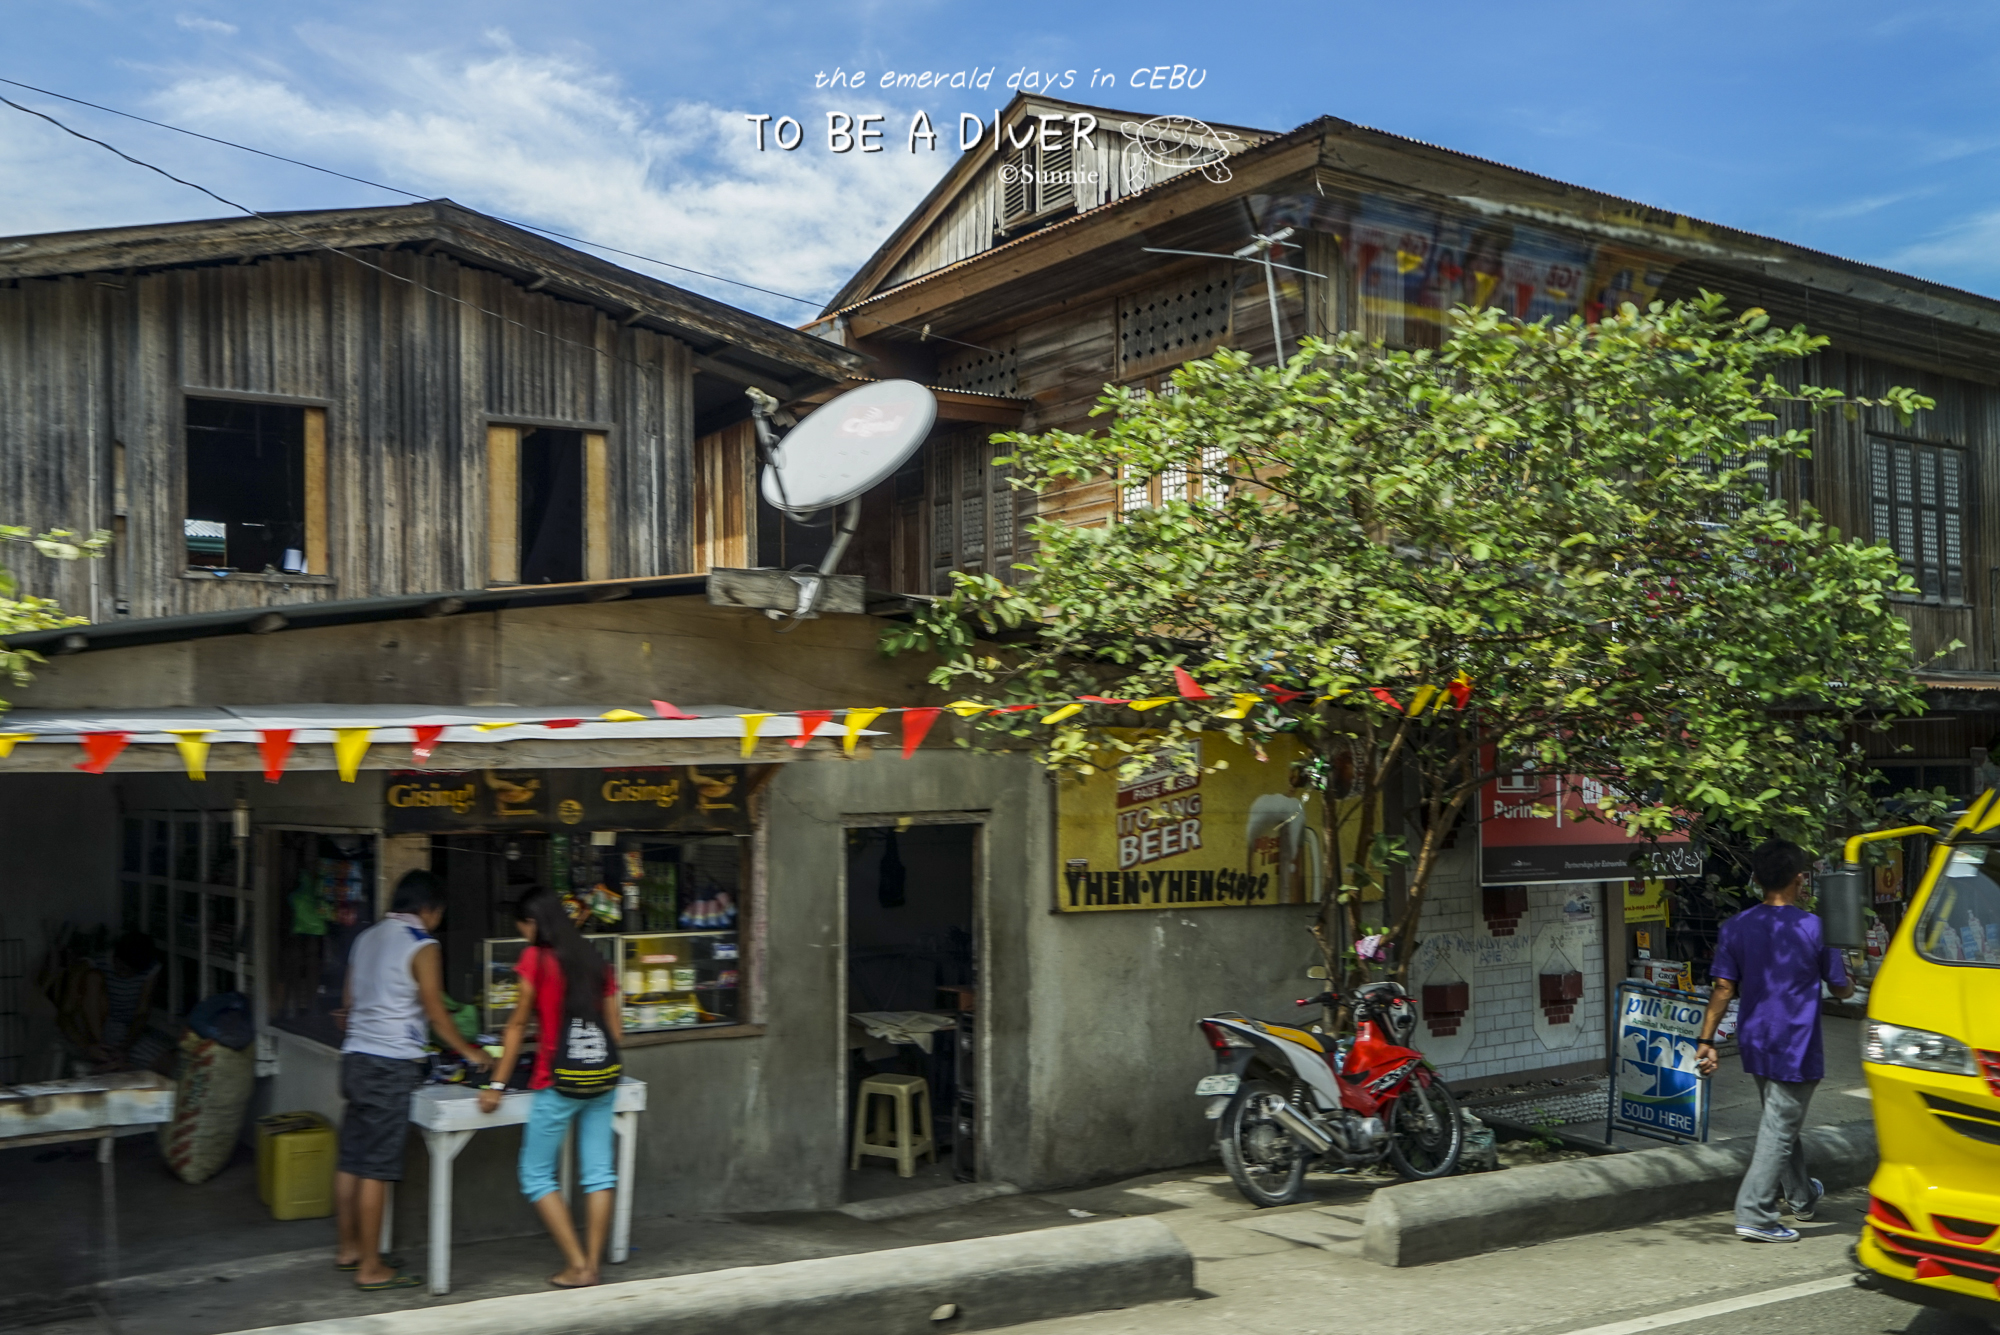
(295,1161)
(905,1093)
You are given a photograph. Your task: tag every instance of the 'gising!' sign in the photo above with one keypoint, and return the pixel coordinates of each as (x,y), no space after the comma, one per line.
(1175,838)
(660,797)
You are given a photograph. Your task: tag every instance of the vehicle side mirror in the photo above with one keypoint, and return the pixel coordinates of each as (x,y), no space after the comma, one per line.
(1317,971)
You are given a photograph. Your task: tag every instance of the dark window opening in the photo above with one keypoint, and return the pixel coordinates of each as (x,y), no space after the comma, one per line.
(784,543)
(246,488)
(551,532)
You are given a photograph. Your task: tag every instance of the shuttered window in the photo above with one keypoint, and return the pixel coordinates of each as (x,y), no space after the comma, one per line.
(977,516)
(1037,180)
(1917,501)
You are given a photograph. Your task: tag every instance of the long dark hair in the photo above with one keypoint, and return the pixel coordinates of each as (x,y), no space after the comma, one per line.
(583,969)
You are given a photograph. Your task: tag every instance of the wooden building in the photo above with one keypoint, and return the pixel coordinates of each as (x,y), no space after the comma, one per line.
(353,403)
(1048,296)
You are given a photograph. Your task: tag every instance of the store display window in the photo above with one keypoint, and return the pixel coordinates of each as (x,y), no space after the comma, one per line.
(323,893)
(181,883)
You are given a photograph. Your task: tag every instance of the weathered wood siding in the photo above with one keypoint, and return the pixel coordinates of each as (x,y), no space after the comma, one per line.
(409,380)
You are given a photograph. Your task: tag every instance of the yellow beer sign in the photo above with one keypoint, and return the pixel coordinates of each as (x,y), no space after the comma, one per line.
(1175,837)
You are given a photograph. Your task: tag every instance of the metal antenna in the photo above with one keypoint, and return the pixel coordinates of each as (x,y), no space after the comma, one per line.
(1259,249)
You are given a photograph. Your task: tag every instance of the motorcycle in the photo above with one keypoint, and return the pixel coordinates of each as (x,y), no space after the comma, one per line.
(1284,1098)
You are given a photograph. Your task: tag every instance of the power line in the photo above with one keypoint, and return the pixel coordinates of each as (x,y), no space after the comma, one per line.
(924,333)
(320,245)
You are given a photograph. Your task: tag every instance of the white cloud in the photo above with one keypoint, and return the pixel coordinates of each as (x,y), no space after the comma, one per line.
(549,140)
(1960,254)
(196,23)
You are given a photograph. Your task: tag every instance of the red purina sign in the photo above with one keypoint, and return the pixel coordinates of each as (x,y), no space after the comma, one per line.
(1518,847)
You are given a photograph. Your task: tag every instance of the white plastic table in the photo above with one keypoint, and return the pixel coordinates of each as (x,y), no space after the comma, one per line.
(448,1115)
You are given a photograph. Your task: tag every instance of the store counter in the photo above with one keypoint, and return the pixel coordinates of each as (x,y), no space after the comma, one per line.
(448,1115)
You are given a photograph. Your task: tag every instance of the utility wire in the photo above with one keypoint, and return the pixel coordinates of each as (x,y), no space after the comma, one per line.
(321,245)
(512,222)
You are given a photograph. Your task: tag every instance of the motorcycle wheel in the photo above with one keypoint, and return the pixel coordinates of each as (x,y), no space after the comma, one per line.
(1426,1133)
(1264,1160)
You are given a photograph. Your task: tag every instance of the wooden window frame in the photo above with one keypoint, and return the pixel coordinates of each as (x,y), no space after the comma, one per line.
(312,466)
(1922,532)
(503,500)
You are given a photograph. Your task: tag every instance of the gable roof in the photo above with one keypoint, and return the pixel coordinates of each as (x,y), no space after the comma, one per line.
(1344,150)
(983,162)
(726,341)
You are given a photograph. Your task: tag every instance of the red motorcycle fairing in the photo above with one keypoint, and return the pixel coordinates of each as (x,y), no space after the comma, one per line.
(1375,1070)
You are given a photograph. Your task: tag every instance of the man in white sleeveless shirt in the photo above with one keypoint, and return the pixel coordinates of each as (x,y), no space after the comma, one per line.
(394,993)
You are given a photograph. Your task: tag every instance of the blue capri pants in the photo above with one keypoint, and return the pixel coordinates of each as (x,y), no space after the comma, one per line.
(549,1120)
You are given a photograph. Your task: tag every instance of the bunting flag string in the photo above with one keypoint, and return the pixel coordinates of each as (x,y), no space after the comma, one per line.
(350,745)
(856,720)
(275,746)
(916,723)
(194,751)
(426,740)
(100,749)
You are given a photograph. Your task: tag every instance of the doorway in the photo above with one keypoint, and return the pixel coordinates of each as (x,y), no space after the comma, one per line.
(913,988)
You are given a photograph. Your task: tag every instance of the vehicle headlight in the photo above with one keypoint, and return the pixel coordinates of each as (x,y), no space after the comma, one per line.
(1893,1045)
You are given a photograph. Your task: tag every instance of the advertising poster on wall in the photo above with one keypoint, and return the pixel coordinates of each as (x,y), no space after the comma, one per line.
(1519,845)
(1658,1092)
(1174,837)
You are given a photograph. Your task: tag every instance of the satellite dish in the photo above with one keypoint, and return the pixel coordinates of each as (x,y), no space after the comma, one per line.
(847,446)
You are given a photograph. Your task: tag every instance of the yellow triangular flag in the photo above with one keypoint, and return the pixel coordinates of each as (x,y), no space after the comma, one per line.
(7,740)
(349,745)
(492,727)
(1240,705)
(1063,713)
(1154,703)
(857,719)
(751,722)
(622,716)
(194,751)
(966,708)
(1422,697)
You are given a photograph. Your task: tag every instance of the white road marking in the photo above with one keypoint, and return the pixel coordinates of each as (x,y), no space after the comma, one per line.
(1722,1308)
(1861,1093)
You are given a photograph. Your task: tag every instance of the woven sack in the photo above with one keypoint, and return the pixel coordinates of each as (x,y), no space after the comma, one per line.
(215,1087)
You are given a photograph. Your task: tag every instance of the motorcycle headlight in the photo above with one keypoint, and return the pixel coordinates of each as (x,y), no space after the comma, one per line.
(1893,1045)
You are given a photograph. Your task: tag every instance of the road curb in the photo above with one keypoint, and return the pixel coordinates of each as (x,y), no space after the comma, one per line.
(975,1284)
(1420,1222)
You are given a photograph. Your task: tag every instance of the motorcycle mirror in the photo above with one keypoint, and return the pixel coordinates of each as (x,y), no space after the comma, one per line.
(1317,971)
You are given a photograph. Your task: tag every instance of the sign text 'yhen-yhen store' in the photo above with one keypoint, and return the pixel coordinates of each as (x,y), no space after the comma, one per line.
(1176,837)
(1565,841)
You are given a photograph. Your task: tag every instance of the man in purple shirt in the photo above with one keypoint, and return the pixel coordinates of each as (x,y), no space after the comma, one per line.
(1774,956)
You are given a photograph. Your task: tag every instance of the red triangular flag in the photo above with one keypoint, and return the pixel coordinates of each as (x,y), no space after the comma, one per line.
(426,741)
(667,710)
(100,749)
(275,745)
(561,722)
(809,722)
(1461,690)
(1016,709)
(917,722)
(1286,695)
(1385,698)
(1103,700)
(1187,687)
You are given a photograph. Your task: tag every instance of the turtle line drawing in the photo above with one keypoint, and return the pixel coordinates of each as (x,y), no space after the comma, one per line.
(1177,143)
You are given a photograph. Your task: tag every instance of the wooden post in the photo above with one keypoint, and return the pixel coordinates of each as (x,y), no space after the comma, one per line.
(596,507)
(315,478)
(503,505)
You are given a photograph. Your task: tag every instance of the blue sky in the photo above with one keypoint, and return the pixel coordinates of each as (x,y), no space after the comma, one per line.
(1857,129)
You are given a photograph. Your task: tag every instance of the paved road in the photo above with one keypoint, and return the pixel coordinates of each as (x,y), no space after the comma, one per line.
(1299,1271)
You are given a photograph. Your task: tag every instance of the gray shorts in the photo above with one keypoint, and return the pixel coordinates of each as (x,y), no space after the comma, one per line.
(377,1121)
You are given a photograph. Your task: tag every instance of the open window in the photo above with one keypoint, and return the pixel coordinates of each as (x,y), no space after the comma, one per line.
(547,505)
(256,487)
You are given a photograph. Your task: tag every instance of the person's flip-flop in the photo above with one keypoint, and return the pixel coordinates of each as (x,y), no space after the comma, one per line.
(393,1282)
(558,1284)
(349,1267)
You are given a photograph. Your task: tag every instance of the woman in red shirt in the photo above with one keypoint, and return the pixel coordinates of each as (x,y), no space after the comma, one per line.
(573,996)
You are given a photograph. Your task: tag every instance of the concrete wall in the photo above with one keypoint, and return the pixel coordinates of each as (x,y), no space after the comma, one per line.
(1508,1032)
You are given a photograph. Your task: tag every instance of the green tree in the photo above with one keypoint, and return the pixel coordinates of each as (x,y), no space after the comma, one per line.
(1578,524)
(26,612)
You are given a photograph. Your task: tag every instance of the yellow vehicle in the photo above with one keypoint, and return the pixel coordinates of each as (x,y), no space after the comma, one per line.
(1932,1055)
